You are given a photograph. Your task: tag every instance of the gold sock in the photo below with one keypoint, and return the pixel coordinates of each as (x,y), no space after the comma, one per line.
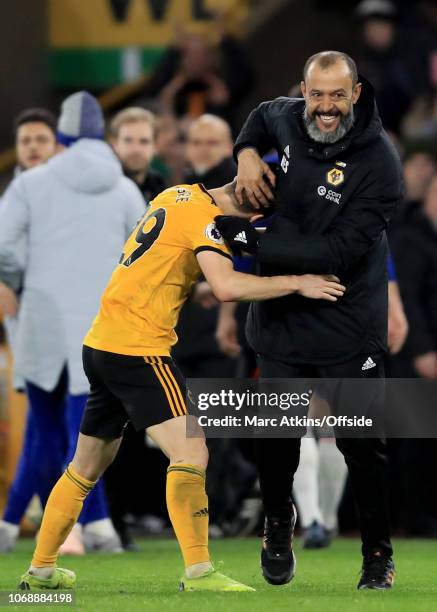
(187,505)
(61,513)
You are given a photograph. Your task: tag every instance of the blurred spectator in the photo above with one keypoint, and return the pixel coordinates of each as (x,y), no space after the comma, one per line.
(35,143)
(75,208)
(194,77)
(132,135)
(419,169)
(209,152)
(414,247)
(35,137)
(398,72)
(421,122)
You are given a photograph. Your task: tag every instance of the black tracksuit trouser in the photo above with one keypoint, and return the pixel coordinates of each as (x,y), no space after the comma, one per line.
(366,458)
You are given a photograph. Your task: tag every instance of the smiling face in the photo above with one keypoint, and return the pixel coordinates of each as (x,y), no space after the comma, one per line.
(330,96)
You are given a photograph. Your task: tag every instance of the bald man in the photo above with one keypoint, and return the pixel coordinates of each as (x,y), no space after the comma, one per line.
(209,152)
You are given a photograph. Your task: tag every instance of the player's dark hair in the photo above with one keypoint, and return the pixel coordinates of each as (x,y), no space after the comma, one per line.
(326,59)
(36,115)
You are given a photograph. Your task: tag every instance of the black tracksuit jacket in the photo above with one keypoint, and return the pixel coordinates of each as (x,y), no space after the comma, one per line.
(333,205)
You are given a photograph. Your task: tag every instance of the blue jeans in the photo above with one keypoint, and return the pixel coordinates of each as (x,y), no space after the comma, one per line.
(52,428)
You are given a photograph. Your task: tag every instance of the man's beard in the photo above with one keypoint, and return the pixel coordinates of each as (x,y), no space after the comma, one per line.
(315,133)
(134,172)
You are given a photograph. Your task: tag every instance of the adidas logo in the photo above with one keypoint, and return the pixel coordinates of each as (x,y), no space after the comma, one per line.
(203,512)
(241,237)
(369,363)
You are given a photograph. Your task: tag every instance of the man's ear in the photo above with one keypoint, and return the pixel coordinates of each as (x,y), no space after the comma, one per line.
(356,93)
(303,88)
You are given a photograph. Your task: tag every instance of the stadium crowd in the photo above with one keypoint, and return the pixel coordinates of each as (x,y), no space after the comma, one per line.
(181,131)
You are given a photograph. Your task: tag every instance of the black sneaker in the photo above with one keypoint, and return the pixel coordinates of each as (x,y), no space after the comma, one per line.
(278,563)
(378,572)
(315,536)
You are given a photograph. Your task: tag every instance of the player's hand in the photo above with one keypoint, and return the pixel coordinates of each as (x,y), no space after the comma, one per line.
(255,179)
(8,301)
(238,233)
(320,287)
(426,365)
(227,335)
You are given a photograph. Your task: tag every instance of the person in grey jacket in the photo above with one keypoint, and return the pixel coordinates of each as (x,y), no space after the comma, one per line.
(71,217)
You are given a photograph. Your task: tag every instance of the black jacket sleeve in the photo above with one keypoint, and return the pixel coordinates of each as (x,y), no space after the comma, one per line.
(257,131)
(351,234)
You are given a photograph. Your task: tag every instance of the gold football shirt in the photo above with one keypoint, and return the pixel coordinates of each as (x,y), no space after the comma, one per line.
(141,304)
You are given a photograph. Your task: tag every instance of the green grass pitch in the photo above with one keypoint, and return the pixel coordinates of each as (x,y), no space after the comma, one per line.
(325,580)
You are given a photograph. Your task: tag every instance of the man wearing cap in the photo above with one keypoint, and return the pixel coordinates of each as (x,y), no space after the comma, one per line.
(73,215)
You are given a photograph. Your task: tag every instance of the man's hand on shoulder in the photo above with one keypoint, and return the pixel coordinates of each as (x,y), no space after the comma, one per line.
(238,233)
(255,179)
